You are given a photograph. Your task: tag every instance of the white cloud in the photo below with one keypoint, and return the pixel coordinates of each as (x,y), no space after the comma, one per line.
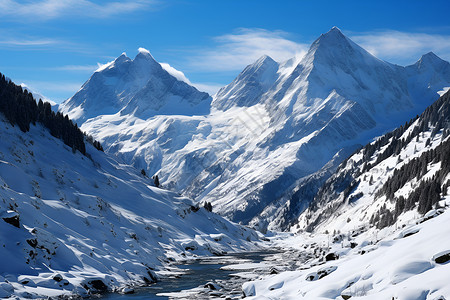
(235,51)
(175,73)
(51,9)
(403,47)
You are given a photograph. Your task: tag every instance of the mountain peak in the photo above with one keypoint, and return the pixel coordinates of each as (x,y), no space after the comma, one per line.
(140,86)
(123,57)
(430,57)
(332,37)
(144,54)
(264,61)
(335,30)
(145,64)
(265,58)
(430,60)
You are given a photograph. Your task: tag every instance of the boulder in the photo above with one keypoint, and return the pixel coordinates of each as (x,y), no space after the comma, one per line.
(331,256)
(442,257)
(58,278)
(11,217)
(321,273)
(212,286)
(127,291)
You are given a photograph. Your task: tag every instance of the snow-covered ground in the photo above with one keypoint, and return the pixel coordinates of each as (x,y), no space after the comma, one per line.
(397,263)
(73,224)
(356,257)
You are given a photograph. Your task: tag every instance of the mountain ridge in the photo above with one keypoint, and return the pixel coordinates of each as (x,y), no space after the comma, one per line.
(273,126)
(140,87)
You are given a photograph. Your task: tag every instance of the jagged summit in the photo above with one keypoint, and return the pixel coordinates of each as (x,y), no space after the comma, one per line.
(264,59)
(256,79)
(333,38)
(430,56)
(333,33)
(145,56)
(336,46)
(141,87)
(122,57)
(145,52)
(430,59)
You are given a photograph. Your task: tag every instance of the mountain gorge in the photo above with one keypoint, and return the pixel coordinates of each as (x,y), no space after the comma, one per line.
(276,127)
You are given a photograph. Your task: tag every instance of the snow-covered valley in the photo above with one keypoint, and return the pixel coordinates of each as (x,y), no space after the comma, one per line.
(278,148)
(76,224)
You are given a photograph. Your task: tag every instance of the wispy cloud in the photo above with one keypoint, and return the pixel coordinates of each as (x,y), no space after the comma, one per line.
(27,42)
(403,47)
(234,51)
(76,68)
(52,9)
(9,40)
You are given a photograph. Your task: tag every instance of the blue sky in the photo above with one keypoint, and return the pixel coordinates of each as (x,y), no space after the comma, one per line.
(53,46)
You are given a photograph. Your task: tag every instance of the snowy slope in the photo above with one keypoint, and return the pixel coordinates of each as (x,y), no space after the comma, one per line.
(140,87)
(70,220)
(376,232)
(272,127)
(249,86)
(367,187)
(390,266)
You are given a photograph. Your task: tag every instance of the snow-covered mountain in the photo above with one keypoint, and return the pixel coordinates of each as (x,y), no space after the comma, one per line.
(74,223)
(273,127)
(383,184)
(379,225)
(140,87)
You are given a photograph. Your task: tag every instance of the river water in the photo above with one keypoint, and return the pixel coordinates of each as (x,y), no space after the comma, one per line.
(227,272)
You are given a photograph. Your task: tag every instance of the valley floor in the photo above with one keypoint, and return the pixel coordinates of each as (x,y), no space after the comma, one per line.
(411,262)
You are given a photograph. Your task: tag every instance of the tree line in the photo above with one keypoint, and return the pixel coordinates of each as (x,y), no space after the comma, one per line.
(20,108)
(426,194)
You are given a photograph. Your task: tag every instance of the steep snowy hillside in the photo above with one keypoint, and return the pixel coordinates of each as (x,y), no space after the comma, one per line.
(140,87)
(402,171)
(379,224)
(276,127)
(394,263)
(74,223)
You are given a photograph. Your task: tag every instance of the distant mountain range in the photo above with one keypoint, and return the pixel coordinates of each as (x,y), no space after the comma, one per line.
(261,148)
